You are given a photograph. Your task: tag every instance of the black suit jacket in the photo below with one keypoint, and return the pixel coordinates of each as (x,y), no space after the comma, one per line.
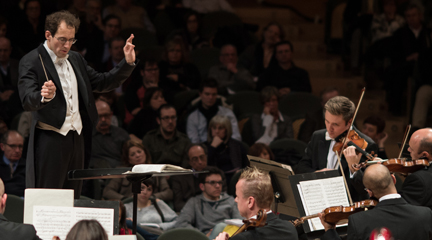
(16,184)
(31,80)
(16,231)
(284,129)
(417,188)
(404,221)
(316,158)
(276,229)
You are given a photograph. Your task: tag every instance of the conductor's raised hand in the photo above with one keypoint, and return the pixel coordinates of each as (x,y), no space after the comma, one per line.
(48,90)
(129,50)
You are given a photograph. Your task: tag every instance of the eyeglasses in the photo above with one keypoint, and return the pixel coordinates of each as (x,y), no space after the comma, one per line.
(151,69)
(14,146)
(202,158)
(213,183)
(63,40)
(172,118)
(106,116)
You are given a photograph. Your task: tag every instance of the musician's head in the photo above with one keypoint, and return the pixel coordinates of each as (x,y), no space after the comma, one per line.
(254,192)
(60,29)
(3,197)
(87,230)
(379,181)
(211,183)
(338,115)
(420,144)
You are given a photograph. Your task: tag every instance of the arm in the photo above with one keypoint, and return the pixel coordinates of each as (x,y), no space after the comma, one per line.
(178,192)
(305,164)
(413,189)
(289,132)
(186,219)
(192,127)
(235,130)
(169,215)
(165,193)
(243,76)
(111,191)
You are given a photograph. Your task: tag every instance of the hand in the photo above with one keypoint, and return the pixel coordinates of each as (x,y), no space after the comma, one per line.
(48,90)
(216,142)
(129,51)
(222,236)
(232,68)
(208,234)
(266,110)
(324,169)
(135,111)
(351,157)
(56,238)
(412,57)
(4,96)
(284,91)
(381,139)
(326,225)
(173,77)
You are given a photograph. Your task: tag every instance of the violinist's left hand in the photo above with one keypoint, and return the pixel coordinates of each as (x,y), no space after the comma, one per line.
(351,157)
(326,225)
(222,236)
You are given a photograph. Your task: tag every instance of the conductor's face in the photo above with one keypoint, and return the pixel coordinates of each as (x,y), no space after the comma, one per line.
(62,41)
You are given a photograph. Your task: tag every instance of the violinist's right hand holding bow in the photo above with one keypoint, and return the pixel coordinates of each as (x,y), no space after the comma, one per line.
(326,225)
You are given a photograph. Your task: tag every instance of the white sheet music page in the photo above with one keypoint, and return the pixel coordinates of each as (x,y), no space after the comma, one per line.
(321,194)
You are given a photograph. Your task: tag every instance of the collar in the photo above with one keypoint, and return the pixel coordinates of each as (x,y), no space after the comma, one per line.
(8,162)
(268,212)
(390,196)
(280,116)
(52,55)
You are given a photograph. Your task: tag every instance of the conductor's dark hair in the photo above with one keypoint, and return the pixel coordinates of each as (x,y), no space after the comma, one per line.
(54,20)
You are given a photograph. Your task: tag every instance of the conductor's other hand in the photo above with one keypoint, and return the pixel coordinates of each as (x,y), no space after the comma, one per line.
(129,51)
(48,90)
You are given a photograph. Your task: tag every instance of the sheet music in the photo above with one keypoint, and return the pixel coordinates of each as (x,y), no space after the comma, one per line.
(52,221)
(322,193)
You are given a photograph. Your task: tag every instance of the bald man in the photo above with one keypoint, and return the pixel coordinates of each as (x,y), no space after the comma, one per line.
(417,188)
(405,221)
(11,230)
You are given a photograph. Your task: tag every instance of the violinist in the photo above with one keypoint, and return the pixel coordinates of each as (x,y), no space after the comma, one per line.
(254,192)
(403,220)
(338,116)
(417,187)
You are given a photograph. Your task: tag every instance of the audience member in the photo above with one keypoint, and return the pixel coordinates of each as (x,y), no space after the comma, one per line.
(179,74)
(87,230)
(204,211)
(77,7)
(107,140)
(124,230)
(231,77)
(256,58)
(373,127)
(255,192)
(13,165)
(224,152)
(261,150)
(403,220)
(115,48)
(315,120)
(166,144)
(146,119)
(198,120)
(131,16)
(271,124)
(208,6)
(283,74)
(386,23)
(150,210)
(120,188)
(190,32)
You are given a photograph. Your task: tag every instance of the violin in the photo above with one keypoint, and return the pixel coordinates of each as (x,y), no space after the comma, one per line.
(400,165)
(351,137)
(339,214)
(260,221)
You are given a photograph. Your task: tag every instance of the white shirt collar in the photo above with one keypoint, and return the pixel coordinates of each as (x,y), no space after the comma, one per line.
(53,56)
(390,196)
(328,138)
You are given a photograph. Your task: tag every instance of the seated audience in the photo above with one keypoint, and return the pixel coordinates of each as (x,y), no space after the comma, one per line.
(87,230)
(11,230)
(204,211)
(404,221)
(198,120)
(224,152)
(208,6)
(261,150)
(13,165)
(150,210)
(120,188)
(145,119)
(271,124)
(107,140)
(166,144)
(257,58)
(231,77)
(190,33)
(131,16)
(283,73)
(373,127)
(386,23)
(179,74)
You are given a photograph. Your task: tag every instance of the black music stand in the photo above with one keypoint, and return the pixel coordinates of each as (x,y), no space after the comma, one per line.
(135,178)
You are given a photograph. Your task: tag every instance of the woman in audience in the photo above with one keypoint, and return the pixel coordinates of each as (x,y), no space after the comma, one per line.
(191,32)
(145,120)
(120,188)
(224,152)
(152,212)
(256,58)
(261,150)
(87,230)
(178,74)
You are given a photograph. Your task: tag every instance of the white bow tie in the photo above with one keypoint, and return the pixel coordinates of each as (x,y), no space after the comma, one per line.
(60,61)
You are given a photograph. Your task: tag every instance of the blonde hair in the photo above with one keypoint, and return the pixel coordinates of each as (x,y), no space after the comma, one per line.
(340,105)
(257,184)
(224,122)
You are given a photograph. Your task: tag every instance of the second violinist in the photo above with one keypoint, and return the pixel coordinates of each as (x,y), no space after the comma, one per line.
(338,116)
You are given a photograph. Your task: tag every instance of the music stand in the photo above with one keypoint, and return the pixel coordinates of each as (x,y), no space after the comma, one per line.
(135,178)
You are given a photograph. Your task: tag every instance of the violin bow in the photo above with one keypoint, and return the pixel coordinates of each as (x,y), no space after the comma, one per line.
(407,130)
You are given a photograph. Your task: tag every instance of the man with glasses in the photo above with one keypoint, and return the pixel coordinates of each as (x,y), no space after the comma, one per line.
(57,86)
(204,211)
(166,144)
(12,165)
